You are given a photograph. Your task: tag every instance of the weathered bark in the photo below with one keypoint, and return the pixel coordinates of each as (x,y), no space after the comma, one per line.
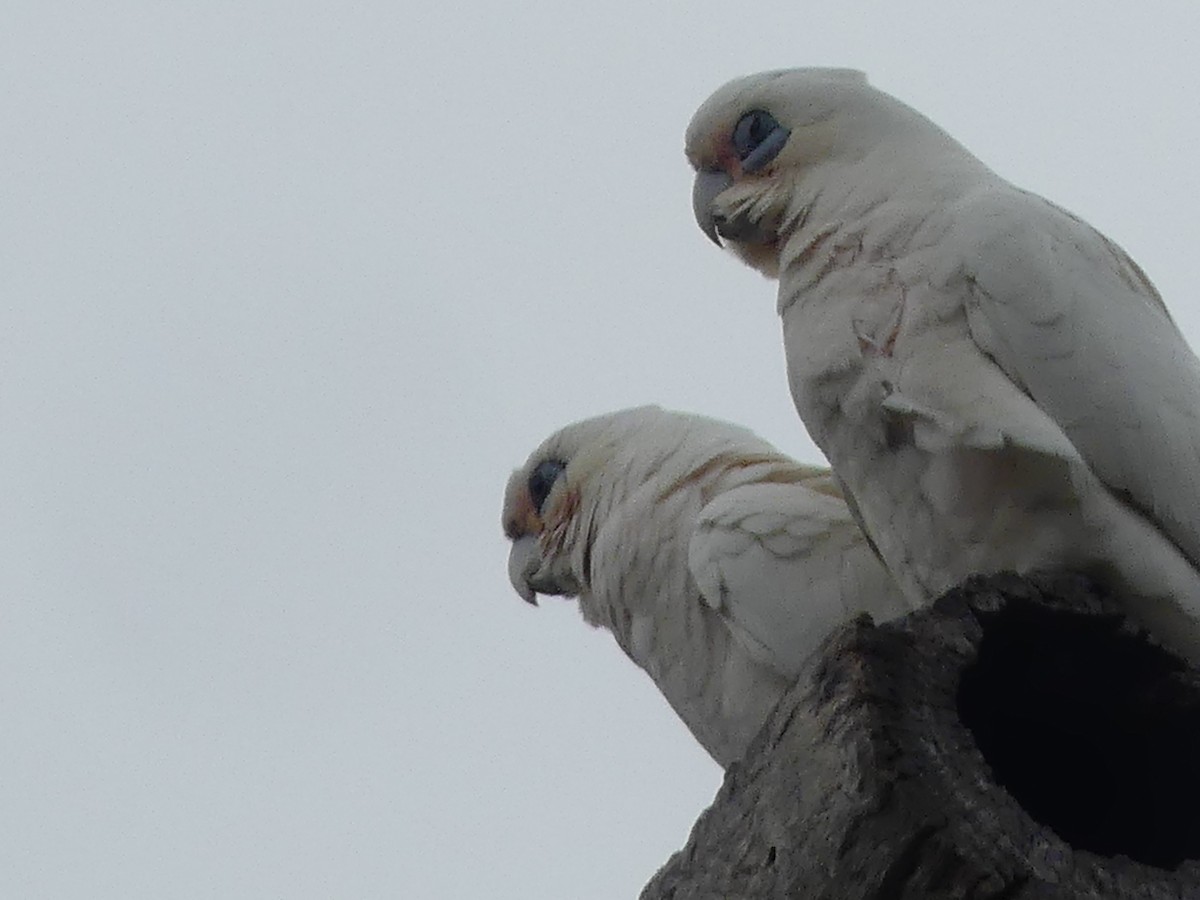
(1016,740)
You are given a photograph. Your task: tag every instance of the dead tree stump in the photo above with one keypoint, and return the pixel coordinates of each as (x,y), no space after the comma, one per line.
(1018,739)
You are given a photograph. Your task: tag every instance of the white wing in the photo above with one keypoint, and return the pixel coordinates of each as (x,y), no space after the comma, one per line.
(785,565)
(1077,325)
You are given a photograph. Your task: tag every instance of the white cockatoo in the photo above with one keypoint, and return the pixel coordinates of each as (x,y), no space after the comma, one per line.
(717,563)
(995,383)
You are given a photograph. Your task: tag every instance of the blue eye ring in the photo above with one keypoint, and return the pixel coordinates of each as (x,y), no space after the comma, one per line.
(757,139)
(542,479)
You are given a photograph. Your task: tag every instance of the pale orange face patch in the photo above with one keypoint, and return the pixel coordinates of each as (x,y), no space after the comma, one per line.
(712,147)
(731,163)
(558,517)
(520,515)
(718,154)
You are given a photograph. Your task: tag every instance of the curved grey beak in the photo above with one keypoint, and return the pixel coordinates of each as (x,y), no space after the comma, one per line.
(523,561)
(706,187)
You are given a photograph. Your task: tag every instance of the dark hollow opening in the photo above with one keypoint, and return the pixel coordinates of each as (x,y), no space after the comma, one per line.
(1095,733)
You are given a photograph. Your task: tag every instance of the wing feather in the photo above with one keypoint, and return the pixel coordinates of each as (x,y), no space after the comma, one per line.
(785,565)
(1077,325)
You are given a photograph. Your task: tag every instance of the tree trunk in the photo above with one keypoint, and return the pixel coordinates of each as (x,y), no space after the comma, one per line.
(1018,739)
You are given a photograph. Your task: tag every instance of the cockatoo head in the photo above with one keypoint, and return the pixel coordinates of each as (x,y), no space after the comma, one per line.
(763,147)
(556,504)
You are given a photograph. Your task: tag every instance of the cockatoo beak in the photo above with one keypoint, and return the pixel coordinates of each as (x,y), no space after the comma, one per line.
(708,184)
(523,561)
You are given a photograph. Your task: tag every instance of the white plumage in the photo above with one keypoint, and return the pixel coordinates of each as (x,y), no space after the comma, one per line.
(717,563)
(996,384)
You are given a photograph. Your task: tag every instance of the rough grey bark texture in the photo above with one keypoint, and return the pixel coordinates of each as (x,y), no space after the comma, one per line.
(1016,740)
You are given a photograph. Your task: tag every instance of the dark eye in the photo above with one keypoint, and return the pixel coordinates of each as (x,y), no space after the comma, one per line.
(542,478)
(758,138)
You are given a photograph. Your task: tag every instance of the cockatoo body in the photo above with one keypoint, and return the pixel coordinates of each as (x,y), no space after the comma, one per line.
(717,563)
(996,384)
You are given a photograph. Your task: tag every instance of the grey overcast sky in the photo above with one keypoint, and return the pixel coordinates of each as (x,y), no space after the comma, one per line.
(289,288)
